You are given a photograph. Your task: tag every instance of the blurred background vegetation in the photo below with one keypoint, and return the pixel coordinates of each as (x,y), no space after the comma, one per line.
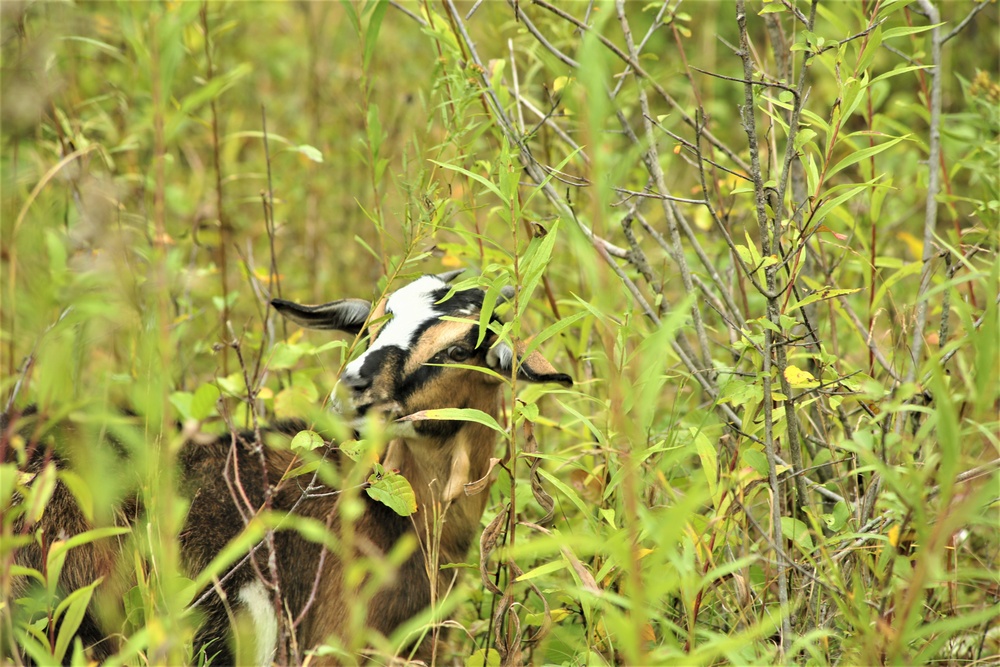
(166,166)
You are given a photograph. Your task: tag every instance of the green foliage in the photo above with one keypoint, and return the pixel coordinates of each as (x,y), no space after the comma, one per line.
(781,445)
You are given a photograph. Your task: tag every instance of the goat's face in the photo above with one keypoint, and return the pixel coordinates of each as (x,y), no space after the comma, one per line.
(423,354)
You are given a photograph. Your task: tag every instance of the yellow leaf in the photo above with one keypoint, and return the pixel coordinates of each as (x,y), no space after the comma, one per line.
(915,245)
(799,378)
(560,614)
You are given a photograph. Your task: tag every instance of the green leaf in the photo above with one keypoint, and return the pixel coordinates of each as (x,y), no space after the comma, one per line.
(354,449)
(546,568)
(796,530)
(75,607)
(863,154)
(57,252)
(455,414)
(489,304)
(709,460)
(295,401)
(897,72)
(310,152)
(831,204)
(536,258)
(870,50)
(8,477)
(476,177)
(907,30)
(839,517)
(204,400)
(42,489)
(550,331)
(305,441)
(392,490)
(565,490)
(303,469)
(284,355)
(33,641)
(802,137)
(83,494)
(822,295)
(181,400)
(59,549)
(352,14)
(371,35)
(484,657)
(756,460)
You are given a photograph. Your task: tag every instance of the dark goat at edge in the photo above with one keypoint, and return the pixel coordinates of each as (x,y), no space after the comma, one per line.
(406,369)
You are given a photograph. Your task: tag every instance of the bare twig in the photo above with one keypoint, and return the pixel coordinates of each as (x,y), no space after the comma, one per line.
(473,10)
(651,159)
(964,22)
(655,195)
(641,71)
(930,202)
(531,165)
(537,34)
(416,17)
(749,124)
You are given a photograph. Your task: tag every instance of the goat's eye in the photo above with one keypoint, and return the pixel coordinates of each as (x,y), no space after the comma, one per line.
(459,353)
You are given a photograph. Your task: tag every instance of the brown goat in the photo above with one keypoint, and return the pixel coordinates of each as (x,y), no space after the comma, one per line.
(423,355)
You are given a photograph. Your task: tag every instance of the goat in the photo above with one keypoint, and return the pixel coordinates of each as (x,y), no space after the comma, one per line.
(423,354)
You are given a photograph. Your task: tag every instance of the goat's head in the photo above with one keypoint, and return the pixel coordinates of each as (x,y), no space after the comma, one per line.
(416,340)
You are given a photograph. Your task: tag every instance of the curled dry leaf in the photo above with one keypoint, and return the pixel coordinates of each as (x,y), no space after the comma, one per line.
(483,483)
(541,495)
(487,543)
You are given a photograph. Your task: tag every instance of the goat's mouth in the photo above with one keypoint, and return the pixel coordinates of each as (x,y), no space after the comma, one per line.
(377,418)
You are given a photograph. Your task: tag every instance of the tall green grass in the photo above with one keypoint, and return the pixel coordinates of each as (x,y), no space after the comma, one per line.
(167,166)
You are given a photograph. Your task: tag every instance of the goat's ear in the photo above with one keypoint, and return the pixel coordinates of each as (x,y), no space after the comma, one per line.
(532,368)
(345,315)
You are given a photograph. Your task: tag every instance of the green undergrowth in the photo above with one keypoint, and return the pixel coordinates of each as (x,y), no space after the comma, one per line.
(782,441)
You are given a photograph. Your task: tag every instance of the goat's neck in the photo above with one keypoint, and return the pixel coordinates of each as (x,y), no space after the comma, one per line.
(438,471)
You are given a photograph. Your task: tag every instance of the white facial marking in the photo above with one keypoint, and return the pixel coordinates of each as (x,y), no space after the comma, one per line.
(411,307)
(265,622)
(500,357)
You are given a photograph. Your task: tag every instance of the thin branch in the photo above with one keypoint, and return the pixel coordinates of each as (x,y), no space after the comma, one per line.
(654,26)
(749,125)
(766,84)
(513,75)
(651,159)
(933,183)
(531,165)
(537,34)
(797,13)
(416,17)
(641,71)
(653,195)
(473,10)
(964,22)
